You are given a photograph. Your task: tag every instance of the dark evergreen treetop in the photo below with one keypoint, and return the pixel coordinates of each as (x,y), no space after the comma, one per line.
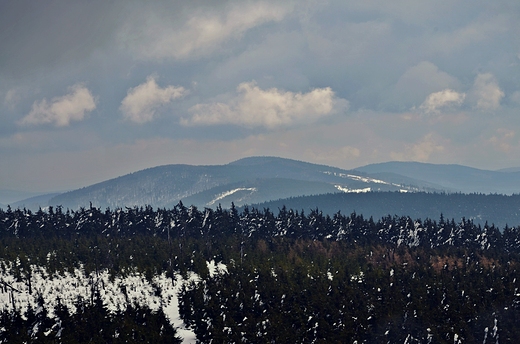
(190,222)
(292,276)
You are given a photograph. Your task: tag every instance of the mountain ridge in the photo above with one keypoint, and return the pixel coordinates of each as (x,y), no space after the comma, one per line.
(458,177)
(165,185)
(259,179)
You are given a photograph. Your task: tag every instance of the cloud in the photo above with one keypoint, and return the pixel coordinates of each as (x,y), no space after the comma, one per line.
(62,110)
(142,102)
(502,140)
(418,82)
(486,93)
(204,32)
(334,154)
(271,108)
(353,41)
(12,97)
(442,99)
(480,30)
(276,56)
(515,97)
(412,12)
(420,151)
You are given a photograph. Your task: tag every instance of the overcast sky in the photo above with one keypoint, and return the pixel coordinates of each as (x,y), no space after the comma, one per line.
(91,90)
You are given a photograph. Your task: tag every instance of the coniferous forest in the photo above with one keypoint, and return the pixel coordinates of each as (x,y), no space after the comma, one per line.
(286,277)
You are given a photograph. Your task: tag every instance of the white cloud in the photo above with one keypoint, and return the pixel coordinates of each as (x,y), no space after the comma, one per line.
(486,92)
(204,32)
(62,110)
(442,99)
(420,81)
(142,102)
(271,108)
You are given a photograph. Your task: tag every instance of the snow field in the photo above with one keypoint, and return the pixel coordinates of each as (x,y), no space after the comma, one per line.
(117,293)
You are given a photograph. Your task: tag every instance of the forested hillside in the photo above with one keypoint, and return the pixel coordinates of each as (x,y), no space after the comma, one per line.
(456,177)
(245,181)
(500,210)
(284,277)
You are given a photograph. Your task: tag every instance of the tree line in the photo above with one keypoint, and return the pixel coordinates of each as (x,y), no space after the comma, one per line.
(190,222)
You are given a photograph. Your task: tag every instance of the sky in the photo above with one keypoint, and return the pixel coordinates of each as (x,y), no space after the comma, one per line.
(92,90)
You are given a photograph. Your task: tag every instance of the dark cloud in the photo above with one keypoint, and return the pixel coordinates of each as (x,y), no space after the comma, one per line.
(37,35)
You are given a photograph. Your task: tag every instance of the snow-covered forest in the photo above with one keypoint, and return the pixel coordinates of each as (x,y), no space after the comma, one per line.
(229,276)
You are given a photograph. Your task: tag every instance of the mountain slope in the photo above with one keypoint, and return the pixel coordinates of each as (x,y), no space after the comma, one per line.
(262,179)
(34,202)
(497,209)
(454,177)
(254,191)
(8,196)
(256,179)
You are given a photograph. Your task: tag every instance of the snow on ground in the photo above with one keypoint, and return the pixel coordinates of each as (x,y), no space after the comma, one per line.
(117,293)
(355,177)
(369,180)
(344,189)
(228,193)
(366,179)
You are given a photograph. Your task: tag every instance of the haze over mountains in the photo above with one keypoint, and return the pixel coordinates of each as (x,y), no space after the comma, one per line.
(261,179)
(249,180)
(452,177)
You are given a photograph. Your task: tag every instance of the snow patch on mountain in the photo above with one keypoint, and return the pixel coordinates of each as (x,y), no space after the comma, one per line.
(347,190)
(229,193)
(357,178)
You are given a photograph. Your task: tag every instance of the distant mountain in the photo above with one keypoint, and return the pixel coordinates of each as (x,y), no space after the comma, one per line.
(452,177)
(262,179)
(510,169)
(258,190)
(8,196)
(35,202)
(494,209)
(255,179)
